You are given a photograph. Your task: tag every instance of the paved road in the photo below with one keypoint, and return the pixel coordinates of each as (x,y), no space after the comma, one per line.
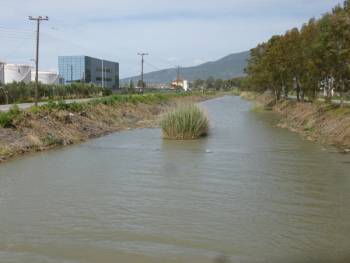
(24,106)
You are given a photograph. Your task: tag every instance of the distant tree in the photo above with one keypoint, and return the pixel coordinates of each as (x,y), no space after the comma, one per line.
(219,84)
(198,84)
(210,83)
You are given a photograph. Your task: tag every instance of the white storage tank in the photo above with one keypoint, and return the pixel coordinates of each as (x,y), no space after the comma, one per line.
(46,77)
(17,72)
(2,65)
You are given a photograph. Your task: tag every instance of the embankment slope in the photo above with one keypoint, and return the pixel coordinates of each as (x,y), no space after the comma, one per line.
(47,127)
(328,124)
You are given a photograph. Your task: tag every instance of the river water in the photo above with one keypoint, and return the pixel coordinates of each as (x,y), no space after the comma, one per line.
(250,191)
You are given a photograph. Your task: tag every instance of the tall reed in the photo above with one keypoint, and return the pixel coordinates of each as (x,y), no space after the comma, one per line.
(186,122)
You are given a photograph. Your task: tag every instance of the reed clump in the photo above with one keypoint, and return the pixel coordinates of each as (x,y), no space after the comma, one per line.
(186,122)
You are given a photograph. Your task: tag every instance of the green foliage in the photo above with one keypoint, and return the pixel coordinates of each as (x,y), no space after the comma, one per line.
(7,118)
(308,61)
(149,98)
(34,109)
(217,84)
(185,123)
(19,92)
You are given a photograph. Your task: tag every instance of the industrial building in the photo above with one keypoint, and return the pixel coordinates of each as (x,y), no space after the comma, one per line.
(25,73)
(89,70)
(46,77)
(17,73)
(2,65)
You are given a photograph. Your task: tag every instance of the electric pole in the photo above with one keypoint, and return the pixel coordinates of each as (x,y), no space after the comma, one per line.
(142,62)
(103,75)
(178,77)
(38,21)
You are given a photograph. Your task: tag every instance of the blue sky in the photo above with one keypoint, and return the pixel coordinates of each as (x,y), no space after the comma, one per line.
(174,32)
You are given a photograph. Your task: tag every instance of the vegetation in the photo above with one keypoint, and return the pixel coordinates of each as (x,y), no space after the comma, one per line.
(217,84)
(6,118)
(21,92)
(313,59)
(186,122)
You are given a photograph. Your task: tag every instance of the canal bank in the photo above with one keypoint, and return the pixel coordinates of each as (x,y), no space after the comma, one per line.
(59,124)
(323,122)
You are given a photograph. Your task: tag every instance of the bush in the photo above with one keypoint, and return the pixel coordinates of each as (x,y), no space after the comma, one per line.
(19,92)
(7,118)
(186,122)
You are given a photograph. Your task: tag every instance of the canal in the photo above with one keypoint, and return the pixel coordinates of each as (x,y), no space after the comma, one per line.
(250,191)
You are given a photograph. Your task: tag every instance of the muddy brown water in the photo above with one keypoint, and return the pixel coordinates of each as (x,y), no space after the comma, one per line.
(250,191)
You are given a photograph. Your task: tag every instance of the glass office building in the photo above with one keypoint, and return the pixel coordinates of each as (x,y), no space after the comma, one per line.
(89,70)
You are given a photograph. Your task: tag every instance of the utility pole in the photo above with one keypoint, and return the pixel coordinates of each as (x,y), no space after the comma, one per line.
(38,21)
(103,75)
(71,74)
(178,76)
(142,62)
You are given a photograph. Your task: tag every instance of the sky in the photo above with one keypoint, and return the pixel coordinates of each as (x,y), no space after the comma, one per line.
(173,32)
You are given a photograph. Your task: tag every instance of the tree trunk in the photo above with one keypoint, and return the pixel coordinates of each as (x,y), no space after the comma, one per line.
(302,95)
(297,88)
(342,89)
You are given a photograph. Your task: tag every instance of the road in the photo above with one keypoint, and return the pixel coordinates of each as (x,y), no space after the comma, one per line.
(24,106)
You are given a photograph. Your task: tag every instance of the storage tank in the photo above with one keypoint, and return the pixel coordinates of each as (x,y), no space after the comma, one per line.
(46,77)
(17,72)
(2,65)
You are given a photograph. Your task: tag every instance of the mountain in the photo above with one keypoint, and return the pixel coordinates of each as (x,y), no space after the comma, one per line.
(225,68)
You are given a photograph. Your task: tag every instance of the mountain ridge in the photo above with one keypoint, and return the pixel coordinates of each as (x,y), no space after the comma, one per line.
(227,67)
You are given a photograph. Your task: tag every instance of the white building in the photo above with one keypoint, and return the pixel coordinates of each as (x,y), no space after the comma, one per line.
(181,83)
(2,65)
(46,77)
(17,73)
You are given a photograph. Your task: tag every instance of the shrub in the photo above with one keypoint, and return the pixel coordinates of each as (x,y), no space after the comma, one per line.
(6,118)
(186,122)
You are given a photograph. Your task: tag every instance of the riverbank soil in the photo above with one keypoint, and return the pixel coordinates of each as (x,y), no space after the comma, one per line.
(50,128)
(326,123)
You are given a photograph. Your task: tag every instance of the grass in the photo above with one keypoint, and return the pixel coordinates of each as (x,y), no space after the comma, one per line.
(6,118)
(186,122)
(236,92)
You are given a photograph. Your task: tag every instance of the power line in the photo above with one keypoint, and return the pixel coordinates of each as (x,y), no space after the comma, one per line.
(149,64)
(2,28)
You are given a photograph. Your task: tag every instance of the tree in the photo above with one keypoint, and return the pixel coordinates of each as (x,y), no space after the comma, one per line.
(198,84)
(314,58)
(210,83)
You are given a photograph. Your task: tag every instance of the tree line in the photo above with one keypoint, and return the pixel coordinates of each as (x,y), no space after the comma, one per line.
(216,84)
(19,92)
(310,60)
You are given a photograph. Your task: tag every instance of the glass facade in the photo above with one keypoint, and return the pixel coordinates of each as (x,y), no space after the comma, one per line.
(89,70)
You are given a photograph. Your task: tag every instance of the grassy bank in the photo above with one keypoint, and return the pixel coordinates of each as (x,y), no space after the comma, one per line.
(326,123)
(59,124)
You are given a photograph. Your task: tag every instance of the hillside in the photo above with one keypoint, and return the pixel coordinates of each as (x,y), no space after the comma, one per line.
(225,68)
